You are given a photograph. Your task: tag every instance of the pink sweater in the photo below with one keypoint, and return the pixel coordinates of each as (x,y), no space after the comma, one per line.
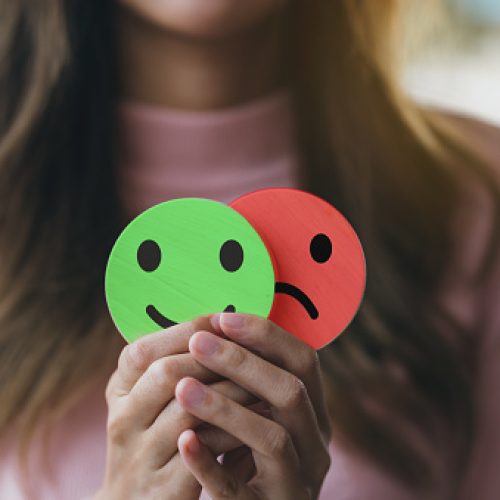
(221,155)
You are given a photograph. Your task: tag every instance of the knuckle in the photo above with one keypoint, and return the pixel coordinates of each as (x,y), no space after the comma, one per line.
(123,360)
(137,354)
(109,392)
(199,323)
(233,355)
(117,428)
(278,442)
(219,405)
(295,394)
(170,368)
(163,371)
(259,326)
(266,326)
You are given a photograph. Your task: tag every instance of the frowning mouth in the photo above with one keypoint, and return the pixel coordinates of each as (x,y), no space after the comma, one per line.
(165,322)
(298,295)
(286,288)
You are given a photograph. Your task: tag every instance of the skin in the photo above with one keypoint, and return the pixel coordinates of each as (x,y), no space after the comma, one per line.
(289,445)
(220,52)
(170,384)
(144,419)
(258,395)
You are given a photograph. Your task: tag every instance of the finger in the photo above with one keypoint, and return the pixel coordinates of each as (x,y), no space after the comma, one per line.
(174,419)
(281,348)
(177,475)
(217,440)
(212,476)
(239,462)
(155,388)
(285,392)
(272,446)
(136,357)
(187,484)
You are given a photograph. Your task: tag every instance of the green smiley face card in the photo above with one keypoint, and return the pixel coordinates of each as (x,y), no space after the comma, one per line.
(184,258)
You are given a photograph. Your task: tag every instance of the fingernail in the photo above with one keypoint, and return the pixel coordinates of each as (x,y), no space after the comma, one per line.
(205,343)
(232,321)
(194,393)
(193,446)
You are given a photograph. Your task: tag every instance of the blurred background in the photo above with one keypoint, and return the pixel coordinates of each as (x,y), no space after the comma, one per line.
(455,63)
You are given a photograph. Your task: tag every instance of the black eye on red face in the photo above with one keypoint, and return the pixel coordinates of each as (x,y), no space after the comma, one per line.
(321,248)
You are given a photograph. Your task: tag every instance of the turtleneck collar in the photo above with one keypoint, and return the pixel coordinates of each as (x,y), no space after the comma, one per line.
(221,154)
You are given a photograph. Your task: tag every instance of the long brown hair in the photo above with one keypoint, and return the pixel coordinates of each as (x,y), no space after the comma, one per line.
(387,164)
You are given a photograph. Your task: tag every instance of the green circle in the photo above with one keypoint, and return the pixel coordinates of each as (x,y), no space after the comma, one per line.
(186,278)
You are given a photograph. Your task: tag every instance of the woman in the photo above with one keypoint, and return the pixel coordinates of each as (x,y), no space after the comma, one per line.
(110,107)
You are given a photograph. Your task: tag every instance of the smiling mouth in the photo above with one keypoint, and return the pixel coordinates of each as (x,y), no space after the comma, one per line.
(280,287)
(165,322)
(298,295)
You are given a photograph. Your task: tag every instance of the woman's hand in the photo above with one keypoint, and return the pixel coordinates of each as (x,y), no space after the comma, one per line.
(290,449)
(145,421)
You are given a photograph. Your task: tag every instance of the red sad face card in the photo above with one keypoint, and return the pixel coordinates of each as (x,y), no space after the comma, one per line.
(318,259)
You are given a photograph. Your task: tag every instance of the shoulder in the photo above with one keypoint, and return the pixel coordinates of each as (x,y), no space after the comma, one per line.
(481,211)
(476,228)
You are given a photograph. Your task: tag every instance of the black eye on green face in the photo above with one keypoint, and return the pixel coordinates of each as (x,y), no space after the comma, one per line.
(149,255)
(231,256)
(321,248)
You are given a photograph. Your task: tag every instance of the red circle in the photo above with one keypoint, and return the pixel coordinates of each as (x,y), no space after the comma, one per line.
(314,300)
